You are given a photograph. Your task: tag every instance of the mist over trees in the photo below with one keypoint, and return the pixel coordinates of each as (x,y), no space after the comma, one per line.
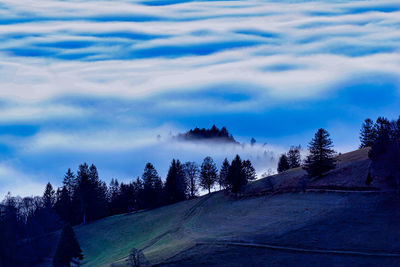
(212,134)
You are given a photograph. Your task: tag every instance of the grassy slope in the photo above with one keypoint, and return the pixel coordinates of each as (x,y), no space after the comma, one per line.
(171,233)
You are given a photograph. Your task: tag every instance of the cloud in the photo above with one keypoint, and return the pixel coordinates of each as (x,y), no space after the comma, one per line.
(99,80)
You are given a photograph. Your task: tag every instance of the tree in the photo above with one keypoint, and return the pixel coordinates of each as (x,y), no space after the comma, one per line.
(236,176)
(321,157)
(223,174)
(283,163)
(367,133)
(63,205)
(294,157)
(69,181)
(151,183)
(252,141)
(385,151)
(175,184)
(191,170)
(67,249)
(248,170)
(49,197)
(208,174)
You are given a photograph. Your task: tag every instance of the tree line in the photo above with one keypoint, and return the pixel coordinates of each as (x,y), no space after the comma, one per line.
(382,137)
(84,197)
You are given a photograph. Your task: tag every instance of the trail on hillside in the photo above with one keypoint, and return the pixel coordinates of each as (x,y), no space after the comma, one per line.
(298,249)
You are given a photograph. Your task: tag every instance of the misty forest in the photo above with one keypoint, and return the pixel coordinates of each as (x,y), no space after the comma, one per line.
(168,133)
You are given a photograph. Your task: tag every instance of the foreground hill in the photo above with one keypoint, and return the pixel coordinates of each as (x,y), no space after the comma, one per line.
(337,222)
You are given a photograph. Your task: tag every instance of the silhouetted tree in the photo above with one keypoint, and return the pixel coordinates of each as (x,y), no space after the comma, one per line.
(367,133)
(69,181)
(223,174)
(385,151)
(208,174)
(175,183)
(191,170)
(236,176)
(321,157)
(283,164)
(67,249)
(152,197)
(294,157)
(252,141)
(49,197)
(248,170)
(63,205)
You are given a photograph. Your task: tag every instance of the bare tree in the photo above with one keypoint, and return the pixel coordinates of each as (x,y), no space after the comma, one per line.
(191,170)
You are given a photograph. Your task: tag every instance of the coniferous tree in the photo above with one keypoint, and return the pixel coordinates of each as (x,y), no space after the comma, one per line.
(248,170)
(208,174)
(83,192)
(236,175)
(63,205)
(175,183)
(69,181)
(283,164)
(321,157)
(385,151)
(151,183)
(49,197)
(223,174)
(367,133)
(191,170)
(67,249)
(294,157)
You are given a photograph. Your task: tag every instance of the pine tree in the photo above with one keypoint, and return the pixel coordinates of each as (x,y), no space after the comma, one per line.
(67,249)
(283,163)
(223,174)
(236,176)
(294,157)
(367,133)
(63,205)
(175,184)
(49,197)
(249,171)
(151,179)
(191,170)
(69,181)
(208,174)
(321,157)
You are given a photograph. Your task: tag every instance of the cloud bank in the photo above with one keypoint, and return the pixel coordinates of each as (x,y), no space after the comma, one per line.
(99,80)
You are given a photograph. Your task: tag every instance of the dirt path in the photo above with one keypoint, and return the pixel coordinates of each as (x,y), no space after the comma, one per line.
(305,250)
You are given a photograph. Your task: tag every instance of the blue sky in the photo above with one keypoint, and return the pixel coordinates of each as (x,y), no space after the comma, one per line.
(98,81)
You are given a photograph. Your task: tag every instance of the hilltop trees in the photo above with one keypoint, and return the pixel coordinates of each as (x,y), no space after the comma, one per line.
(175,184)
(283,163)
(208,174)
(191,170)
(68,248)
(320,160)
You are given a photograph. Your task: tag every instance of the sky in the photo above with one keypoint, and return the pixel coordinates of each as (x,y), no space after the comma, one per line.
(111,82)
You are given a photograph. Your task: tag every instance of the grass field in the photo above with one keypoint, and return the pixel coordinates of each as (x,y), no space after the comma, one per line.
(183,233)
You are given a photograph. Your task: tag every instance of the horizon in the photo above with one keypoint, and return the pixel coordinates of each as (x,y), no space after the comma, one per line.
(99,81)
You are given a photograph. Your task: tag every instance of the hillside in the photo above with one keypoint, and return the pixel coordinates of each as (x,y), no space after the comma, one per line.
(338,227)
